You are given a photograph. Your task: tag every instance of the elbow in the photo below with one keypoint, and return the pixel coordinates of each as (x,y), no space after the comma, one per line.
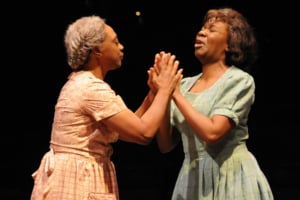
(144,140)
(164,151)
(212,139)
(136,139)
(167,144)
(166,148)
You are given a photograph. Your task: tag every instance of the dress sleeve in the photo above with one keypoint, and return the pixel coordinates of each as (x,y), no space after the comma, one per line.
(235,97)
(101,101)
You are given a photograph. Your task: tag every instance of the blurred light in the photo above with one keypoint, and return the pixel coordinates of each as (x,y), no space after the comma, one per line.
(137,13)
(140,20)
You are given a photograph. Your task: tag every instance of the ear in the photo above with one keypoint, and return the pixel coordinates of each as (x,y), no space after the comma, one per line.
(227,49)
(97,52)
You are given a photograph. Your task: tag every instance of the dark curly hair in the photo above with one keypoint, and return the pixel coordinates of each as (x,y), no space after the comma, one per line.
(241,37)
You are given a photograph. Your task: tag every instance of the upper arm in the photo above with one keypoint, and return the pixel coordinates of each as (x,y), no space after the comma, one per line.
(236,98)
(128,126)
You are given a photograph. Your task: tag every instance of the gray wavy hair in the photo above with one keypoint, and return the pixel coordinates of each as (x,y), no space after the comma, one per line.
(81,37)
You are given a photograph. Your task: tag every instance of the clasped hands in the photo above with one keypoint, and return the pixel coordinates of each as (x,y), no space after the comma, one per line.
(164,74)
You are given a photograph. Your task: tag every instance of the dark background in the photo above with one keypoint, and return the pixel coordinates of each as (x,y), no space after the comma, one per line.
(34,69)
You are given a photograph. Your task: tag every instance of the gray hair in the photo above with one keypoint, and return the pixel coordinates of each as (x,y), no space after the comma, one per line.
(81,37)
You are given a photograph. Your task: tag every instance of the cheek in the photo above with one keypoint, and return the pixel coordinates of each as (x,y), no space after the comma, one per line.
(218,44)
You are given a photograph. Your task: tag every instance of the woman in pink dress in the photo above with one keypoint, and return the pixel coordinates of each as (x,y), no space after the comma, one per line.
(89,116)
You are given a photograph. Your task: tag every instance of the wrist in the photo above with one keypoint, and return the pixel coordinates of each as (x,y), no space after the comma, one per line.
(151,95)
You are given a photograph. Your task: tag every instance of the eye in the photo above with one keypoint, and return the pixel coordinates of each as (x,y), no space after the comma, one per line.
(212,28)
(117,41)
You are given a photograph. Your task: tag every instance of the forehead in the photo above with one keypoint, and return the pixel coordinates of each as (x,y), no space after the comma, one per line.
(214,22)
(215,19)
(110,33)
(217,15)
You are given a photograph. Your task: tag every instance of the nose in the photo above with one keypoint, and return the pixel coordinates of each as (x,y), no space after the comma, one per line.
(201,33)
(121,46)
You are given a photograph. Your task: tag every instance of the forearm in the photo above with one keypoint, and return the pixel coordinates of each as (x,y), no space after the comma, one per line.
(156,112)
(205,127)
(145,104)
(165,83)
(164,137)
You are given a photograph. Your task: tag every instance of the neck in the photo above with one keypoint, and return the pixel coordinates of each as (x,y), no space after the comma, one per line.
(98,73)
(215,70)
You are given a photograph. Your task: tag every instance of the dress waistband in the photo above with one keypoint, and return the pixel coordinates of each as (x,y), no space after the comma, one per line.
(89,155)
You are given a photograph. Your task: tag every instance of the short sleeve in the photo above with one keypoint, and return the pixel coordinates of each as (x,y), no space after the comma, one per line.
(101,101)
(235,97)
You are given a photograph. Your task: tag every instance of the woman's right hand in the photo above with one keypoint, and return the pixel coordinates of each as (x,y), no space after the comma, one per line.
(164,75)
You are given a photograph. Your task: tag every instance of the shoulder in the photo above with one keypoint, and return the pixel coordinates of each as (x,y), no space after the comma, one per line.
(87,79)
(235,83)
(238,76)
(86,85)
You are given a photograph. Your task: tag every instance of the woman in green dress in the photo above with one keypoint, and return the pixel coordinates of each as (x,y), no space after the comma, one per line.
(209,114)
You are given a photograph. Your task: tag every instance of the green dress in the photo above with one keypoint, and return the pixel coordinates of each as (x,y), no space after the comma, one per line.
(225,170)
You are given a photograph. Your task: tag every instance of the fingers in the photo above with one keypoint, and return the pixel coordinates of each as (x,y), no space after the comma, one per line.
(175,65)
(152,77)
(164,74)
(163,59)
(179,76)
(165,63)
